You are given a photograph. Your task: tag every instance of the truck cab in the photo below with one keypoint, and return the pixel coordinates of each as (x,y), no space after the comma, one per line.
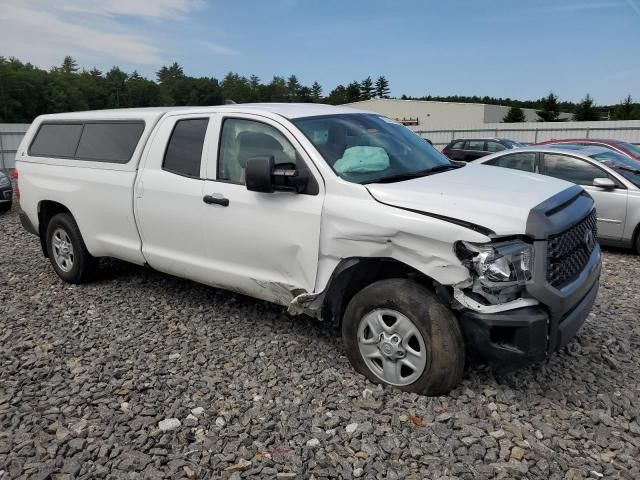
(337,213)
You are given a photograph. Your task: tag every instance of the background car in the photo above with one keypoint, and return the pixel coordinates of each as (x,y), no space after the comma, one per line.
(612,179)
(6,193)
(626,148)
(468,149)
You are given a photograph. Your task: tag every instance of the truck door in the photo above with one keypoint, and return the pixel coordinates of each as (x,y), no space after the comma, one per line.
(168,198)
(262,244)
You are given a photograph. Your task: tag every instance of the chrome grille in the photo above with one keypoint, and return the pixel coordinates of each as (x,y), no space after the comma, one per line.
(569,251)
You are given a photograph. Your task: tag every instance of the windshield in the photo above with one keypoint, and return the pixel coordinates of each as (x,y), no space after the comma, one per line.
(513,143)
(625,166)
(630,147)
(366,148)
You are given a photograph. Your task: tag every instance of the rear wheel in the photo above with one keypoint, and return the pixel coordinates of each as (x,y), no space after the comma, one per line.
(67,251)
(398,333)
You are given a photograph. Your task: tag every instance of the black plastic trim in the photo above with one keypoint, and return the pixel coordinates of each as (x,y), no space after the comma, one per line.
(26,223)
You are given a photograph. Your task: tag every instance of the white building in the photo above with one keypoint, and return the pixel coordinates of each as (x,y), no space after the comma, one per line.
(431,114)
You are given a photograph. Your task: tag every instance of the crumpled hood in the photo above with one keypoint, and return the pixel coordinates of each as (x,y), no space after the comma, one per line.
(492,197)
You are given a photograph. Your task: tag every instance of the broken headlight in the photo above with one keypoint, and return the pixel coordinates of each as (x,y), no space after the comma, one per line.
(501,268)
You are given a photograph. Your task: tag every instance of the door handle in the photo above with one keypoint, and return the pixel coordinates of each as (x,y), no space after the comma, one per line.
(210,199)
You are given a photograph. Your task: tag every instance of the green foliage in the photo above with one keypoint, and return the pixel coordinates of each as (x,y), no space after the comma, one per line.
(626,110)
(514,115)
(586,110)
(382,87)
(316,92)
(366,88)
(549,108)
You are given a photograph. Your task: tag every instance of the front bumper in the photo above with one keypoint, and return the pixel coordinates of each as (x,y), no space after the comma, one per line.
(522,336)
(530,334)
(6,194)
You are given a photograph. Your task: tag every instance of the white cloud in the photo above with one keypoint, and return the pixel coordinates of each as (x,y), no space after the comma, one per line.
(94,32)
(219,49)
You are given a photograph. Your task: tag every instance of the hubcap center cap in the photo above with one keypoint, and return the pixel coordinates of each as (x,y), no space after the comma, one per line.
(391,345)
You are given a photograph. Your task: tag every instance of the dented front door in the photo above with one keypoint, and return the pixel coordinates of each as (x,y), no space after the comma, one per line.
(263,244)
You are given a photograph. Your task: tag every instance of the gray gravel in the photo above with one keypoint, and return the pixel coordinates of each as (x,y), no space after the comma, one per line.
(141,375)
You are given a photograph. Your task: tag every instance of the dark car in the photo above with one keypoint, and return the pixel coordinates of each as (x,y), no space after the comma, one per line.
(625,148)
(6,193)
(468,149)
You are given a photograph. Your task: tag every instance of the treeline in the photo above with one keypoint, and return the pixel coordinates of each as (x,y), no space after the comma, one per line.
(550,107)
(27,91)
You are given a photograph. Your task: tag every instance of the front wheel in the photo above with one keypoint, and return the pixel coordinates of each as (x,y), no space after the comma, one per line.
(398,333)
(5,207)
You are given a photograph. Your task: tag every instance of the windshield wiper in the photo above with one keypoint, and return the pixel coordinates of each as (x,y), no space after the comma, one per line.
(408,176)
(627,169)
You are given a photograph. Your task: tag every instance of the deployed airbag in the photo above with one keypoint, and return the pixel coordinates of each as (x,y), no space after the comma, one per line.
(362,159)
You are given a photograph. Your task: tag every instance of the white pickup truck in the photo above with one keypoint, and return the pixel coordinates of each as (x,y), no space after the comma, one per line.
(341,214)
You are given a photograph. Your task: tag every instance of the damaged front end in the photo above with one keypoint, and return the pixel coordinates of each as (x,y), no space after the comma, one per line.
(499,274)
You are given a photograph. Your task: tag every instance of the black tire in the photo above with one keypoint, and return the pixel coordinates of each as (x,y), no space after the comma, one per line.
(83,264)
(5,207)
(432,318)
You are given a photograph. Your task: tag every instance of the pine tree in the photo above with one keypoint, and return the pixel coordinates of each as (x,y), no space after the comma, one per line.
(293,88)
(69,65)
(549,111)
(316,92)
(624,111)
(353,92)
(171,73)
(366,88)
(514,115)
(382,87)
(586,111)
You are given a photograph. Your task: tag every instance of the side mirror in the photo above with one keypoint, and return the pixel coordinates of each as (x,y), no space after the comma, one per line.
(605,183)
(262,175)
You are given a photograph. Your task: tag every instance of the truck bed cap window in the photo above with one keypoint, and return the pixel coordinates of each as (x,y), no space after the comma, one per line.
(95,141)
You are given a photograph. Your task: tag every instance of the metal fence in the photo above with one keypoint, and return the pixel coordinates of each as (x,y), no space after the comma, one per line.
(10,137)
(628,131)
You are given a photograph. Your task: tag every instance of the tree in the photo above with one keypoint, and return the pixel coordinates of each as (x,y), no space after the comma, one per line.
(382,87)
(514,115)
(549,110)
(293,88)
(353,92)
(169,74)
(625,110)
(69,65)
(338,96)
(586,111)
(316,92)
(366,88)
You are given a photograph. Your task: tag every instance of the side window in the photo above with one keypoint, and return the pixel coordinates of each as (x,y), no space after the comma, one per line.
(525,161)
(571,169)
(457,146)
(242,139)
(475,145)
(495,147)
(109,142)
(56,140)
(184,150)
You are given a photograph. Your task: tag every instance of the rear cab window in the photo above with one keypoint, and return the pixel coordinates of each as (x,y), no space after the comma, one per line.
(95,141)
(183,155)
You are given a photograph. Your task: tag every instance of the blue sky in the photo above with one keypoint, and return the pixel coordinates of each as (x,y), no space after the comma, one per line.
(509,48)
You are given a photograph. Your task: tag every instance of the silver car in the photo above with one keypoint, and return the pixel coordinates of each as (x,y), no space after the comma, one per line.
(612,179)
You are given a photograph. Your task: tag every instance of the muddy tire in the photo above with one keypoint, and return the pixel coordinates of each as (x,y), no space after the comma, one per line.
(67,251)
(397,332)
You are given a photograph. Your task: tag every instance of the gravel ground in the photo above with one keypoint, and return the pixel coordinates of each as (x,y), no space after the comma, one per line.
(141,375)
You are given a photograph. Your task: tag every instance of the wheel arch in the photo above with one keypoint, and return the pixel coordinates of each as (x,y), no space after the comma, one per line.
(353,274)
(47,209)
